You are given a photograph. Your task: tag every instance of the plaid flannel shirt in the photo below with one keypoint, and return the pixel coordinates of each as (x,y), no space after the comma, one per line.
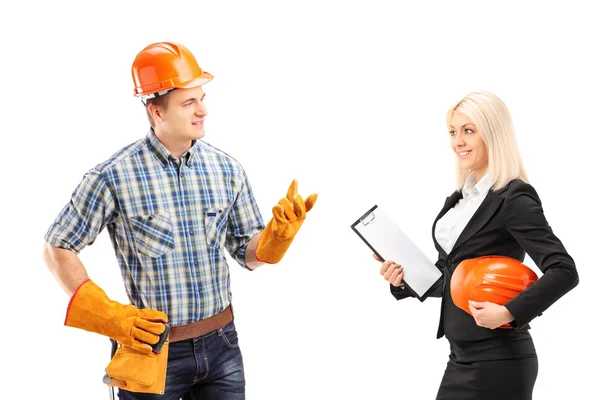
(169,220)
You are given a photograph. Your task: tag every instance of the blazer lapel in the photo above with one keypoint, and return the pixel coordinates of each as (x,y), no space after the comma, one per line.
(483,214)
(450,202)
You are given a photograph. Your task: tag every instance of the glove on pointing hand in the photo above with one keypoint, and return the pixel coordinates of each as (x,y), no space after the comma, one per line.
(288,216)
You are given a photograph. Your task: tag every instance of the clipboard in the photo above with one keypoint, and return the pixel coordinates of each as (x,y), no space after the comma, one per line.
(388,242)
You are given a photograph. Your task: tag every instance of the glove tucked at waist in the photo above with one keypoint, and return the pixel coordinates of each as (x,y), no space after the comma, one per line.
(139,372)
(90,309)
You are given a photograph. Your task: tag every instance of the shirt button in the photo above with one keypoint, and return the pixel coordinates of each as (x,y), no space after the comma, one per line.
(192,232)
(186,202)
(196,263)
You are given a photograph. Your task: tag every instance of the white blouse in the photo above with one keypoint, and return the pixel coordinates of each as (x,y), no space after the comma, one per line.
(451,225)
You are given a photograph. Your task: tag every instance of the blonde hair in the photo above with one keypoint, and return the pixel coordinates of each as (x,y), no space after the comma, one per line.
(492,118)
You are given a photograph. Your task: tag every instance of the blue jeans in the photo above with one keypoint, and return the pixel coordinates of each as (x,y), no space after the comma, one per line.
(208,367)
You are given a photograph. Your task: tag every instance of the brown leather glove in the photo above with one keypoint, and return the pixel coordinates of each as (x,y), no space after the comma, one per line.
(288,216)
(91,309)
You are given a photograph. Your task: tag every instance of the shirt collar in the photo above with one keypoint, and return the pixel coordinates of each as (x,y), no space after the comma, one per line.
(163,155)
(471,189)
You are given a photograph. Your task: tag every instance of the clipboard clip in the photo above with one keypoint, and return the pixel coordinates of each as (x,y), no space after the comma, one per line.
(367,218)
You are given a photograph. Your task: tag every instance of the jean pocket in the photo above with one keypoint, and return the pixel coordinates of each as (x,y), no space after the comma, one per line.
(153,234)
(229,335)
(215,223)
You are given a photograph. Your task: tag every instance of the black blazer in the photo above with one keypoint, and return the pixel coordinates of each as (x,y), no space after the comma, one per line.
(509,222)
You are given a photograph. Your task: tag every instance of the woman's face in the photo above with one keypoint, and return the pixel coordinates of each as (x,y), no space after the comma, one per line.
(467,144)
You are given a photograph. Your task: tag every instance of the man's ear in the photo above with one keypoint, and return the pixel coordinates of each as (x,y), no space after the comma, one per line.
(155,113)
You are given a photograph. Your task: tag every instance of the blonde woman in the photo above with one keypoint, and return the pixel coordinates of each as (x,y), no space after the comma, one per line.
(494,211)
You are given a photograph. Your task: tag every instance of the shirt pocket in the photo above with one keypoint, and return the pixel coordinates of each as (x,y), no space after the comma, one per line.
(215,225)
(153,234)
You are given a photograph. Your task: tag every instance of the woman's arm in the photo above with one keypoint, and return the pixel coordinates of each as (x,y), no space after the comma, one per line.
(526,222)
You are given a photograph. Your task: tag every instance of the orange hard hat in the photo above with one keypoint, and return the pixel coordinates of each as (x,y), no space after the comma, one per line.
(165,66)
(496,279)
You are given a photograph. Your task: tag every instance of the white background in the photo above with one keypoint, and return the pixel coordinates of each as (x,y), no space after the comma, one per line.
(350,99)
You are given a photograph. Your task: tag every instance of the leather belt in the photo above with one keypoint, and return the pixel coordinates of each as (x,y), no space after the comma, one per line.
(202,327)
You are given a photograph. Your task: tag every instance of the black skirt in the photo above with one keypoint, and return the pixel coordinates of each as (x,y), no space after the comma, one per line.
(503,368)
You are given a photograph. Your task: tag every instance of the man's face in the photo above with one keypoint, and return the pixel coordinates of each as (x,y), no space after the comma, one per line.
(183,118)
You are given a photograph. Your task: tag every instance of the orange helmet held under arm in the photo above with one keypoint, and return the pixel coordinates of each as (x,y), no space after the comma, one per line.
(165,66)
(496,279)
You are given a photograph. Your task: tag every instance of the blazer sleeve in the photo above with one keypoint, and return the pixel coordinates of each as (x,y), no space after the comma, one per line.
(400,293)
(526,222)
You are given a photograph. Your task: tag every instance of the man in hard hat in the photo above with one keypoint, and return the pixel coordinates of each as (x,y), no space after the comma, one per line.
(172,204)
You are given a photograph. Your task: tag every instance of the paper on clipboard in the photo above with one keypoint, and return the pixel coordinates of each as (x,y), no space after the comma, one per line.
(389,242)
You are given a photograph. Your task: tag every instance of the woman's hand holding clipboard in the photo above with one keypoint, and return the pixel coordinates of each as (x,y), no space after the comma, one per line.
(391,272)
(388,242)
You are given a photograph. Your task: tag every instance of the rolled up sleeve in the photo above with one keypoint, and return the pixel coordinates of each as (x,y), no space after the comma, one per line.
(90,209)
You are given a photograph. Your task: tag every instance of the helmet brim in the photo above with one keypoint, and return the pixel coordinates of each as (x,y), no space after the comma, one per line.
(199,81)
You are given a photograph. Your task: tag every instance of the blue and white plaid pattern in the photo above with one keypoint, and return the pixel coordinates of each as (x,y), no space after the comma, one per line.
(170,222)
